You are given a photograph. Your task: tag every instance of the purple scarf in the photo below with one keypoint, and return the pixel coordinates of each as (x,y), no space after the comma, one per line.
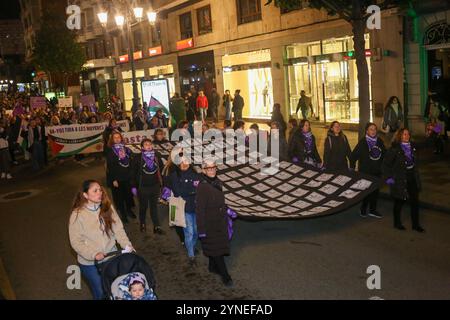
(121,152)
(407,149)
(374,150)
(308,141)
(149,159)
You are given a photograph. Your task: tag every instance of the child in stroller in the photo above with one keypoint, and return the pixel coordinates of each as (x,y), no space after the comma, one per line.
(127,277)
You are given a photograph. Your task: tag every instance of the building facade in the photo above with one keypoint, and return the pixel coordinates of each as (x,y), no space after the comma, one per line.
(268,54)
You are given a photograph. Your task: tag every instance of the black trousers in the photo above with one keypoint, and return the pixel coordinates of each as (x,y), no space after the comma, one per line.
(413,197)
(149,196)
(217,265)
(121,197)
(370,201)
(12,149)
(180,233)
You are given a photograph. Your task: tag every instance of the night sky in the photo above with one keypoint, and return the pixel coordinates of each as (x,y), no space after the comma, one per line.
(9,9)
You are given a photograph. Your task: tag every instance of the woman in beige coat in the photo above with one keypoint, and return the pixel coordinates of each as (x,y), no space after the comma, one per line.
(94,229)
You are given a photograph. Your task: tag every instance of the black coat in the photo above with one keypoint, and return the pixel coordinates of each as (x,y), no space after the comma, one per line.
(212,220)
(115,171)
(184,184)
(394,166)
(297,147)
(278,117)
(365,163)
(336,153)
(141,177)
(238,103)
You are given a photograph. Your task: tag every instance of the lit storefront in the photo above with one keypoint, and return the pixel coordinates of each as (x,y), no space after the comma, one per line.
(128,87)
(327,71)
(166,72)
(251,73)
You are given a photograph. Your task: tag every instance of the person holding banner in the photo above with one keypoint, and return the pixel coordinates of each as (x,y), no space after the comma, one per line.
(159,137)
(184,182)
(146,184)
(118,174)
(212,221)
(302,147)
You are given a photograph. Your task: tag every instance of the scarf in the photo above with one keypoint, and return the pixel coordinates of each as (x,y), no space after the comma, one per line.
(308,141)
(149,159)
(121,152)
(407,149)
(215,182)
(374,150)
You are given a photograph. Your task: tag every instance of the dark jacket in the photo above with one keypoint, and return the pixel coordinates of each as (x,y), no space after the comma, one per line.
(143,178)
(177,110)
(394,166)
(238,103)
(297,148)
(278,117)
(106,135)
(138,123)
(212,219)
(115,171)
(365,163)
(283,148)
(336,152)
(184,184)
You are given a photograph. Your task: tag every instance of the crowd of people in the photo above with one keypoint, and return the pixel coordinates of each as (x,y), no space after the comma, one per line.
(96,223)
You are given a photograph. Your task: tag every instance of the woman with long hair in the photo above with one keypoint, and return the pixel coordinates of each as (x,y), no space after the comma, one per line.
(402,175)
(392,117)
(146,184)
(118,174)
(369,153)
(302,147)
(337,150)
(94,229)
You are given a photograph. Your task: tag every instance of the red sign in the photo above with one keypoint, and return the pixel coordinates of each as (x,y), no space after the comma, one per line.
(123,58)
(137,55)
(155,51)
(184,44)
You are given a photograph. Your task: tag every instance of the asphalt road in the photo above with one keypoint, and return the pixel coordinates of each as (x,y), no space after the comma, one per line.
(323,258)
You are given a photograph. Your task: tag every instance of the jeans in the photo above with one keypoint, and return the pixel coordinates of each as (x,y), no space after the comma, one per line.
(190,233)
(238,114)
(203,112)
(228,112)
(94,281)
(149,195)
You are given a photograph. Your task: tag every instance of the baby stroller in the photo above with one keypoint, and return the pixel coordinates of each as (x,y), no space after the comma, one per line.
(119,270)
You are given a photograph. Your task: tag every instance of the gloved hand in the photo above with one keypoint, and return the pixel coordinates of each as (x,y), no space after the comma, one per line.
(166,193)
(390,181)
(295,160)
(134,191)
(231,213)
(202,235)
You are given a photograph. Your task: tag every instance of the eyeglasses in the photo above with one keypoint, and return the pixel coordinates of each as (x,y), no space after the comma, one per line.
(210,168)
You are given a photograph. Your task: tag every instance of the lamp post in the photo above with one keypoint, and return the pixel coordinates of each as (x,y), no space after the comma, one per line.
(121,20)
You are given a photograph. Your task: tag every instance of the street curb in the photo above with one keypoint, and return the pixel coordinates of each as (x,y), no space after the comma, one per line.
(422,204)
(6,289)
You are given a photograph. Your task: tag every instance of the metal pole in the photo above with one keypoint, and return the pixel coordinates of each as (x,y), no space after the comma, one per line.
(136,98)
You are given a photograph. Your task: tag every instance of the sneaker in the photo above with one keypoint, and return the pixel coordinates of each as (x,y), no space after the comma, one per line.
(375,214)
(158,230)
(8,176)
(419,229)
(192,262)
(228,282)
(3,175)
(363,213)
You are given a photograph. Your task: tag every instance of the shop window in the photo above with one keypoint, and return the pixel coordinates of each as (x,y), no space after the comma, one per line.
(248,10)
(186,26)
(156,35)
(137,38)
(204,20)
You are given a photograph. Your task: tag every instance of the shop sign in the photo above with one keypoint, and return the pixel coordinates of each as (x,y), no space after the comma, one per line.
(124,58)
(155,51)
(137,55)
(185,44)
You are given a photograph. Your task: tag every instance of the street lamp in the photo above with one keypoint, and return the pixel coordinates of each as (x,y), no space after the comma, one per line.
(130,12)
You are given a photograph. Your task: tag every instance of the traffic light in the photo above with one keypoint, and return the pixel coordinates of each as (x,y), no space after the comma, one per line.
(33,74)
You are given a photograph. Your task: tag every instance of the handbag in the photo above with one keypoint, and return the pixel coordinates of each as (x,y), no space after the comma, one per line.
(176,212)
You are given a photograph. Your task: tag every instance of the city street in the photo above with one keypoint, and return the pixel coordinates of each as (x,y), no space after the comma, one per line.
(323,258)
